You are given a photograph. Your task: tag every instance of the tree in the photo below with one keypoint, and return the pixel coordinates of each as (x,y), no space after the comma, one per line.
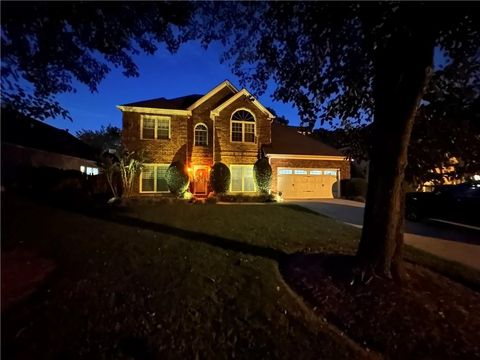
(110,167)
(282,120)
(446,131)
(447,127)
(107,138)
(130,163)
(46,46)
(348,61)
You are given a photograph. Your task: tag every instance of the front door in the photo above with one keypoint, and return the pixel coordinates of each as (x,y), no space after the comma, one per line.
(200,180)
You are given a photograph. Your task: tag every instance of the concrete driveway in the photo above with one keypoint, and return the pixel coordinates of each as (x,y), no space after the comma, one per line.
(447,241)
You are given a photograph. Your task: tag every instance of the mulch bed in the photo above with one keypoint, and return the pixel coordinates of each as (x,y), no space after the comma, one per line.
(23,272)
(430,317)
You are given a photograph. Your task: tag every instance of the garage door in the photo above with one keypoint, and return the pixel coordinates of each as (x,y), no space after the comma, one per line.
(301,183)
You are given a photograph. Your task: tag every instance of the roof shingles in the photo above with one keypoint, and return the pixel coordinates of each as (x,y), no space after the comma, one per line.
(286,140)
(179,103)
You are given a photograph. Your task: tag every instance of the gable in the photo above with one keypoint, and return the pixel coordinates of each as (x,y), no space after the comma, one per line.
(238,96)
(225,87)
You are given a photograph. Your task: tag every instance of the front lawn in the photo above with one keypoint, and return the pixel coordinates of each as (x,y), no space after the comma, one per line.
(169,281)
(172,281)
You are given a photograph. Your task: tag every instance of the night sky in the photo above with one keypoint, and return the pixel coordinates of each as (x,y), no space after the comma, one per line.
(192,70)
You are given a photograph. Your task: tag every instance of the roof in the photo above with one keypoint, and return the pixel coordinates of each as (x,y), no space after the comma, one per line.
(21,130)
(225,84)
(179,103)
(286,140)
(243,92)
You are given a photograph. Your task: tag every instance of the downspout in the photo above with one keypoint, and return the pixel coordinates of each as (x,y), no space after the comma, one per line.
(213,138)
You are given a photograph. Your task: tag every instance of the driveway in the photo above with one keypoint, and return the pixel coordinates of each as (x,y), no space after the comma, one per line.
(447,241)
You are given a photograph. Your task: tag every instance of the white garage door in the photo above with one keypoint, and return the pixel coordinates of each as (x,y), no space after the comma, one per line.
(302,183)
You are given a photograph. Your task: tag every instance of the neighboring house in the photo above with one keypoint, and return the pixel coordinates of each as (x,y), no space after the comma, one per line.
(230,126)
(28,143)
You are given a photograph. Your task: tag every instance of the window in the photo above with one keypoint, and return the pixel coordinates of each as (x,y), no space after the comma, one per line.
(89,170)
(300,172)
(242,178)
(155,127)
(152,178)
(243,126)
(315,172)
(285,172)
(201,135)
(330,172)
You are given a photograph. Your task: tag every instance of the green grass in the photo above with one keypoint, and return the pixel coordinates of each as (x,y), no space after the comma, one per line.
(174,280)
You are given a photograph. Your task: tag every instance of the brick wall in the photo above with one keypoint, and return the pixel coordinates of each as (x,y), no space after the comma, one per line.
(181,144)
(343,165)
(240,153)
(161,151)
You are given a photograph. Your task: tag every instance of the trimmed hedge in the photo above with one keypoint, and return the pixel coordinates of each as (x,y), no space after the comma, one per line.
(263,175)
(354,188)
(220,178)
(177,178)
(242,198)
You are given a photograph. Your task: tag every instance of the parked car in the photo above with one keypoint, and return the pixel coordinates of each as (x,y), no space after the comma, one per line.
(457,203)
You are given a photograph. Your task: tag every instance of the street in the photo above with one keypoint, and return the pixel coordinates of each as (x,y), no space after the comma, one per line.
(444,240)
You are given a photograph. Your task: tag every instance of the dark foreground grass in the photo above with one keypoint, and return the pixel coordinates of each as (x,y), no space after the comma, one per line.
(169,281)
(173,281)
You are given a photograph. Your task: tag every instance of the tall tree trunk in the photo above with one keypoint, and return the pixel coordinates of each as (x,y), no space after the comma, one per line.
(402,67)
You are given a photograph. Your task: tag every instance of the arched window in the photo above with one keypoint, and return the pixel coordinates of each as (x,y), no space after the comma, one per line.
(201,135)
(243,126)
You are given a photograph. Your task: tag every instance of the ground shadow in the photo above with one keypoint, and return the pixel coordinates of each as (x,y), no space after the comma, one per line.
(382,315)
(302,209)
(213,240)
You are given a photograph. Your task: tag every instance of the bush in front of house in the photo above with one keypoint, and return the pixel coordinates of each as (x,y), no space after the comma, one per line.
(243,198)
(177,178)
(220,178)
(263,175)
(354,188)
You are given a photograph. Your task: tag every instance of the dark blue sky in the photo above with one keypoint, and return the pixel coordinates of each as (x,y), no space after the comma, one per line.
(192,70)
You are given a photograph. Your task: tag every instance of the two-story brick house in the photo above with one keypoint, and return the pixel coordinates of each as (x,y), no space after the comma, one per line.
(230,126)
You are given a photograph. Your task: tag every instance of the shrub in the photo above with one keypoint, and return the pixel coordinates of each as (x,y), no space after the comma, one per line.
(177,178)
(263,175)
(242,198)
(211,200)
(354,188)
(187,195)
(220,178)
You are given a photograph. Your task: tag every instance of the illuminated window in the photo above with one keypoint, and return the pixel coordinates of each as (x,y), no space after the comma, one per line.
(201,135)
(155,127)
(242,178)
(300,172)
(152,178)
(330,172)
(243,126)
(285,172)
(315,172)
(89,170)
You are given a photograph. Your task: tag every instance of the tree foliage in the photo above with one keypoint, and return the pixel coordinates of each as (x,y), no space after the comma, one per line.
(177,178)
(321,55)
(125,163)
(47,47)
(107,138)
(263,175)
(220,178)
